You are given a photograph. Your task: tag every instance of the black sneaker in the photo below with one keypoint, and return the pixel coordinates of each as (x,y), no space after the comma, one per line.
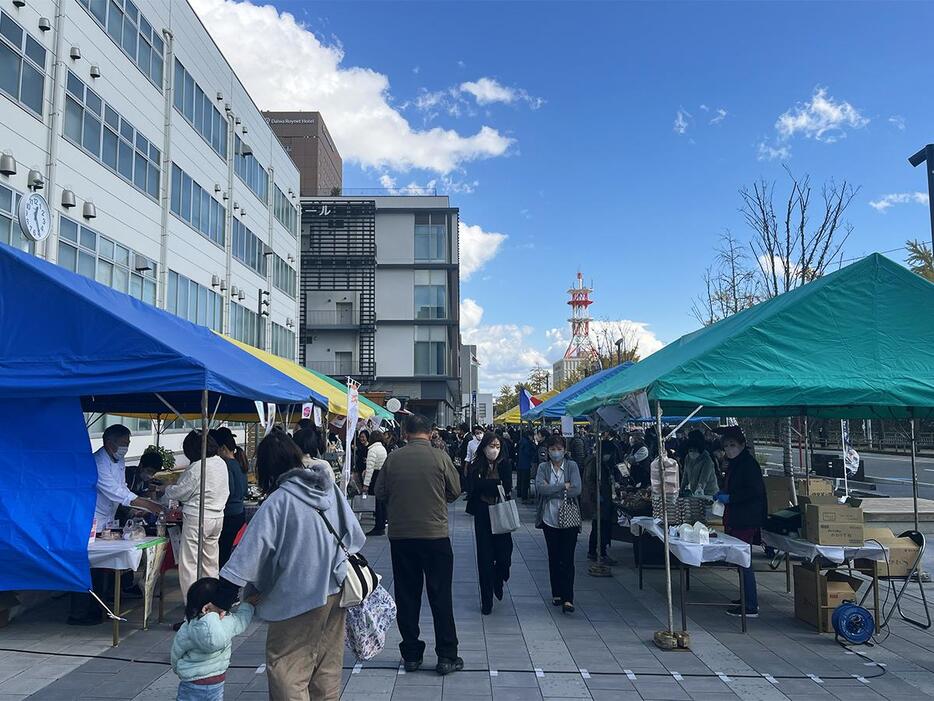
(498,590)
(446,665)
(568,607)
(738,612)
(607,560)
(487,609)
(556,601)
(412,665)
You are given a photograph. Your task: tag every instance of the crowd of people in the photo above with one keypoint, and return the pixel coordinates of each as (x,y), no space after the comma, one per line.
(290,563)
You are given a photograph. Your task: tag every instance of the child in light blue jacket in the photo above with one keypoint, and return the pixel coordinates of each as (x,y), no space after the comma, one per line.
(201,649)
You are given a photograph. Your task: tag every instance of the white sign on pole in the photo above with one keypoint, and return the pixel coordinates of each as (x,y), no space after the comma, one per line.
(317,414)
(567,426)
(270,417)
(353,408)
(307,410)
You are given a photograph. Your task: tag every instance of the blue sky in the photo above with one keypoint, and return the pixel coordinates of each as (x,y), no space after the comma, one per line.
(577,158)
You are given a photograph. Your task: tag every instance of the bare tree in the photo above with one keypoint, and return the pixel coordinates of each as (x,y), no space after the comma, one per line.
(730,283)
(795,244)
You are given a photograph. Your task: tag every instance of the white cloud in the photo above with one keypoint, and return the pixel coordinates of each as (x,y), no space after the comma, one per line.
(897,121)
(719,117)
(285,66)
(635,332)
(886,201)
(681,121)
(504,350)
(471,314)
(821,118)
(768,152)
(416,69)
(477,248)
(487,91)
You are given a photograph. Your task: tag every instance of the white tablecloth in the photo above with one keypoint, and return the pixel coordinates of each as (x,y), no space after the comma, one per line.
(723,548)
(116,554)
(837,554)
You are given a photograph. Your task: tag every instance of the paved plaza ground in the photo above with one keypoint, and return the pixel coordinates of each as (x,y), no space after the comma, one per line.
(526,649)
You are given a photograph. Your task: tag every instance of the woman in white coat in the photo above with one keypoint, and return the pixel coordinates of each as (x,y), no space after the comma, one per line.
(375,457)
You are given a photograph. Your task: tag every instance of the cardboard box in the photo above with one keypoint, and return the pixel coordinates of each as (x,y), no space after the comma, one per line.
(835,588)
(778,496)
(827,522)
(902,553)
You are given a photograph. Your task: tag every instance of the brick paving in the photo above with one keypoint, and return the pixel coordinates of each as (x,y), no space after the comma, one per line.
(525,650)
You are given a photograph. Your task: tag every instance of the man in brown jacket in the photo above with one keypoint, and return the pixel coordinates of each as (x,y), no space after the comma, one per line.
(417,483)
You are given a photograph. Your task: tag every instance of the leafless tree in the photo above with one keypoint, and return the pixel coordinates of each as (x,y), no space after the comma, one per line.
(731,284)
(797,243)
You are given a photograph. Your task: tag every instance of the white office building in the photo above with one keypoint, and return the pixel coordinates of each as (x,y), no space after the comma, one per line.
(380,297)
(162,178)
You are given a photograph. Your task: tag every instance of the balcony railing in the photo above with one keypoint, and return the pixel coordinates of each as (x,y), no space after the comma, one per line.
(335,368)
(330,317)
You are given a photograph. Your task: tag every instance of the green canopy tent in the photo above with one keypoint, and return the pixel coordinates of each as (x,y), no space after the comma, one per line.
(857,343)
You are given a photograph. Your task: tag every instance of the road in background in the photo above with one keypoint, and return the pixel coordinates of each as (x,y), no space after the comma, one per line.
(892,471)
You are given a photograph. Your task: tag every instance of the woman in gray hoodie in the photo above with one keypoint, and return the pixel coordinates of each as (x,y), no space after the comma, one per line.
(290,558)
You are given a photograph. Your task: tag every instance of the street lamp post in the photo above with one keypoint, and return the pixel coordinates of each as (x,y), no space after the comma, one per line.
(926,155)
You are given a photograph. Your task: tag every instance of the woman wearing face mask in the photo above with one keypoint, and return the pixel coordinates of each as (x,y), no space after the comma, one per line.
(558,479)
(700,477)
(488,472)
(745,506)
(640,463)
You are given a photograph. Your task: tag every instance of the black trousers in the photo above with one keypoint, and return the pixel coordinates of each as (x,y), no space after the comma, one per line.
(379,515)
(494,555)
(232,525)
(83,605)
(606,533)
(430,562)
(523,477)
(561,543)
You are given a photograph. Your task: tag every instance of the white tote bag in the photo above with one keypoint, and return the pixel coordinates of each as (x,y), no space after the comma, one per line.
(504,516)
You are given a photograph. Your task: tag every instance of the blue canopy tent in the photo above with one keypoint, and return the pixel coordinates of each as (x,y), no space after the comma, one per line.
(68,342)
(555,407)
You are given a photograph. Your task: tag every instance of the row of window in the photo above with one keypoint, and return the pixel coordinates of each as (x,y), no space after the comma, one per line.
(282,342)
(199,110)
(125,24)
(284,211)
(251,172)
(195,205)
(10,231)
(22,65)
(431,237)
(248,249)
(247,326)
(82,250)
(283,276)
(194,302)
(431,294)
(95,126)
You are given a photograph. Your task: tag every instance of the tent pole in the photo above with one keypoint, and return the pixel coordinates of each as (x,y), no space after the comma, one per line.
(807,456)
(661,479)
(787,466)
(204,457)
(914,471)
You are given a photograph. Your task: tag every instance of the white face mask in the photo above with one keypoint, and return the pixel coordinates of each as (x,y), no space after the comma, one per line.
(641,454)
(120,452)
(491,453)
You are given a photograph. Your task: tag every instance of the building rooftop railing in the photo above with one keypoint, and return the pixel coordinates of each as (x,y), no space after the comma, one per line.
(377,192)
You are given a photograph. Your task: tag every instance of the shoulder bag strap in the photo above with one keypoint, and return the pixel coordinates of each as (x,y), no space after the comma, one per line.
(340,540)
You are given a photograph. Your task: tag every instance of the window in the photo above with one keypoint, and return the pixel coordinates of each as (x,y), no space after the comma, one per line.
(285,212)
(193,204)
(125,24)
(343,363)
(248,249)
(283,277)
(10,232)
(22,65)
(431,294)
(431,237)
(283,342)
(430,350)
(99,129)
(196,107)
(250,171)
(194,302)
(85,251)
(246,326)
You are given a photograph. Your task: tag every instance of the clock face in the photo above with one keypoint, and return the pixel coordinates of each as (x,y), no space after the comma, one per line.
(34,217)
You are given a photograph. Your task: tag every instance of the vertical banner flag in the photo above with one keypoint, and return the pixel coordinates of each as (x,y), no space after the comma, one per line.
(317,414)
(567,426)
(353,407)
(850,456)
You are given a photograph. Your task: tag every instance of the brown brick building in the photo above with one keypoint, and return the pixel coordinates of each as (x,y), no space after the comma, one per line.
(306,139)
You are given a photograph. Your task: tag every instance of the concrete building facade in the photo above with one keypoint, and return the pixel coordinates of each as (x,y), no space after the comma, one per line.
(381,297)
(305,137)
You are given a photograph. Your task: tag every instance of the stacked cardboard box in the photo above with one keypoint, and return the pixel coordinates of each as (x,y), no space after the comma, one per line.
(779,496)
(835,588)
(902,553)
(828,522)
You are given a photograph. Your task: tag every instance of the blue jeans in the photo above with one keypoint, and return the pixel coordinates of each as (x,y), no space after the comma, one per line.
(189,691)
(749,587)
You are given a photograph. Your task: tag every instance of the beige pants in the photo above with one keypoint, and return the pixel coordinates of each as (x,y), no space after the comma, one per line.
(188,558)
(304,655)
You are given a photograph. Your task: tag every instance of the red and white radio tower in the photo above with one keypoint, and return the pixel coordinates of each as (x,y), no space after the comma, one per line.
(580,345)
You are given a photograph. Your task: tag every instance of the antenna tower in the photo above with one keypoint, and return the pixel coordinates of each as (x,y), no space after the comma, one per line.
(580,345)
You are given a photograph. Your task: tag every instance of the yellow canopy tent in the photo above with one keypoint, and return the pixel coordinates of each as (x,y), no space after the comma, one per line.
(512,416)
